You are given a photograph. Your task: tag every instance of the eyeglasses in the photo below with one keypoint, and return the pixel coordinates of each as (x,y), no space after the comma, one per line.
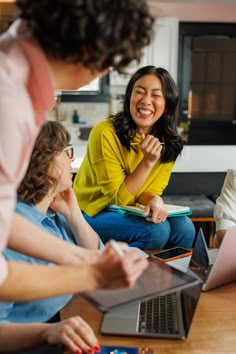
(69,151)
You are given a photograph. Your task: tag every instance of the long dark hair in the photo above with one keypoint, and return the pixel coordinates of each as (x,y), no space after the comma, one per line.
(165,128)
(52,139)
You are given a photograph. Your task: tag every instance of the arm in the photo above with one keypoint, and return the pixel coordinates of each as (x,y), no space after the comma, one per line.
(225,209)
(220,235)
(66,204)
(74,332)
(151,149)
(108,166)
(26,282)
(45,245)
(154,206)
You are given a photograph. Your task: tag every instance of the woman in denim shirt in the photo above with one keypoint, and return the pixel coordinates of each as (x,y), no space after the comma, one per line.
(46,198)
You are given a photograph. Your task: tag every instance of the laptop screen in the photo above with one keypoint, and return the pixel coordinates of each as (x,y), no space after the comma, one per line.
(200,253)
(189,300)
(157,279)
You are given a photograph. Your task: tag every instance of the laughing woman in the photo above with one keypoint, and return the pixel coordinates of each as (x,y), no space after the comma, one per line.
(129,160)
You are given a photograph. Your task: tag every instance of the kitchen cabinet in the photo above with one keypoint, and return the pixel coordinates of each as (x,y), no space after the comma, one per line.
(162,52)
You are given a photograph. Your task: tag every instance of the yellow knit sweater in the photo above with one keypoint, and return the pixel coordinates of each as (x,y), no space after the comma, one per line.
(100,179)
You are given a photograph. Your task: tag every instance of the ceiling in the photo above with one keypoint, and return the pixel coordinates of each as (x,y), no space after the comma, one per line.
(195,10)
(192,10)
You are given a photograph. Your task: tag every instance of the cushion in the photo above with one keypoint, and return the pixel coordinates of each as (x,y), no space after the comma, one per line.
(200,205)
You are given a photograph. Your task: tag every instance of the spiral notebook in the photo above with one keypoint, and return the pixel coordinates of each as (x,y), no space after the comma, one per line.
(173,210)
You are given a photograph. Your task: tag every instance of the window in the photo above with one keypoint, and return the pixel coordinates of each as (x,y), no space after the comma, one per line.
(207,81)
(96,91)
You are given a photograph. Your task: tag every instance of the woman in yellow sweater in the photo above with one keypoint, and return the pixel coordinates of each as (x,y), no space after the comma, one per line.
(129,160)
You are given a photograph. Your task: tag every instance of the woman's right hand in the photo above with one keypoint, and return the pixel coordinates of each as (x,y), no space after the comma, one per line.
(74,333)
(113,271)
(151,148)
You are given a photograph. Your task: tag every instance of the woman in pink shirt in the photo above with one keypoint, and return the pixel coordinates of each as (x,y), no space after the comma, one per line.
(58,45)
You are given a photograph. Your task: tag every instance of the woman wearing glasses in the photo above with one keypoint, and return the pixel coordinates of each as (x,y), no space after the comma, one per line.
(46,198)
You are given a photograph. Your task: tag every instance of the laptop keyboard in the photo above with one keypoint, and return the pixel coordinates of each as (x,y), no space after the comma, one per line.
(159,315)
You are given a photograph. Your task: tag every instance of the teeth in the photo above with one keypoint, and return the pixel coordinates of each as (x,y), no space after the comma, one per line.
(145,111)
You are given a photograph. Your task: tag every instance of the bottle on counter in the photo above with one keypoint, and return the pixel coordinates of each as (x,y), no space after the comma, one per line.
(75,117)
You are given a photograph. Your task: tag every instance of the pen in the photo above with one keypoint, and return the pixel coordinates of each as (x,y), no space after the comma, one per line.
(140,143)
(116,248)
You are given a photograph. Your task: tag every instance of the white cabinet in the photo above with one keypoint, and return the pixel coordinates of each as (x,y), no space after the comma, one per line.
(162,52)
(164,49)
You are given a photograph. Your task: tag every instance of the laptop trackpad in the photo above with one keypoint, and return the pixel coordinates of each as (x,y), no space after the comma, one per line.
(122,320)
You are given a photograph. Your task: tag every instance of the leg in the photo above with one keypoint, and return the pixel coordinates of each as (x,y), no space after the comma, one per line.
(182,232)
(134,230)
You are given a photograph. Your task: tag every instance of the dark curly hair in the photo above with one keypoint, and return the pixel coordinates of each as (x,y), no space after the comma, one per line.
(100,34)
(165,128)
(52,139)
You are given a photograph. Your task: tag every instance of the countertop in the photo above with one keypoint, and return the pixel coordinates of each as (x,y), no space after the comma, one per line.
(194,158)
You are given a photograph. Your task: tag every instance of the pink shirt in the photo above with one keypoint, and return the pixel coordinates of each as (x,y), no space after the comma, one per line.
(26,95)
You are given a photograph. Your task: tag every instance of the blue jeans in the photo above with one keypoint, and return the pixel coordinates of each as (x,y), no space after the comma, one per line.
(138,232)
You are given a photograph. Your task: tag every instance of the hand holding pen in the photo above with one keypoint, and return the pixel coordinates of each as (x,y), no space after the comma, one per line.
(116,268)
(151,148)
(116,248)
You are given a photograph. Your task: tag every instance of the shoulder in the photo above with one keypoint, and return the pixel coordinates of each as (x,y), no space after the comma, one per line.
(231,174)
(103,131)
(104,126)
(22,206)
(29,211)
(230,180)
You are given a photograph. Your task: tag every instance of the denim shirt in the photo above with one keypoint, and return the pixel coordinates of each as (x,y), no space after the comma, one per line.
(42,310)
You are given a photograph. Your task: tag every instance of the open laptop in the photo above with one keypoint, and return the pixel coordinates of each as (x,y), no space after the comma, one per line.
(164,316)
(219,271)
(157,279)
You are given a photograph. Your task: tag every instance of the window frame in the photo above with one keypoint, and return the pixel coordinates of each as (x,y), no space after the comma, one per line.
(102,95)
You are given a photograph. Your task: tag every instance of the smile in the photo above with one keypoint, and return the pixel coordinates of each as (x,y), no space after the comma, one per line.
(145,113)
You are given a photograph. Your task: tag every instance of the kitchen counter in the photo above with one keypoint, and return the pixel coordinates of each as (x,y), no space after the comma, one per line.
(194,158)
(79,153)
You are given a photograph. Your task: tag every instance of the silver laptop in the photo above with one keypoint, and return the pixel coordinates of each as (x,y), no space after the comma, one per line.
(157,279)
(164,316)
(219,271)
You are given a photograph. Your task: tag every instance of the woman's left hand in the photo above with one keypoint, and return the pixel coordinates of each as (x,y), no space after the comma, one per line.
(156,208)
(74,333)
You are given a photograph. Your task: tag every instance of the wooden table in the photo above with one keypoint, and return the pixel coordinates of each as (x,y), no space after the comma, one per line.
(213,329)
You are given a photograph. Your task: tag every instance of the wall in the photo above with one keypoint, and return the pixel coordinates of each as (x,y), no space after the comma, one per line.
(195,10)
(189,10)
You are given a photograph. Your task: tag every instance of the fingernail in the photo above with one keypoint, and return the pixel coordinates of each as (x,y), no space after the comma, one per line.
(91,351)
(78,351)
(97,347)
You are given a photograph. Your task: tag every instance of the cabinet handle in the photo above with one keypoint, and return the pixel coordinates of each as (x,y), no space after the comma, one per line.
(190,98)
(188,111)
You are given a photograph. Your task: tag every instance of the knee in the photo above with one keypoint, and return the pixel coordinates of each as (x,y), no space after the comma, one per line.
(188,231)
(158,235)
(182,232)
